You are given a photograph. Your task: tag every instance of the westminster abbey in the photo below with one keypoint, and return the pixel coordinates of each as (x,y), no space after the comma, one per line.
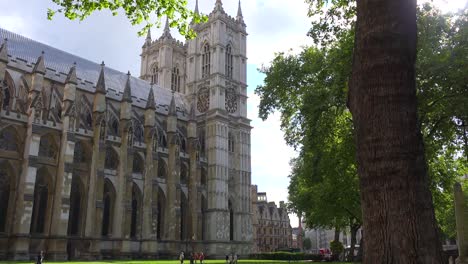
(95,163)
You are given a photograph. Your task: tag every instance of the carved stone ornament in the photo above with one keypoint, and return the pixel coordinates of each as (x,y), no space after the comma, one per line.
(203,102)
(231,100)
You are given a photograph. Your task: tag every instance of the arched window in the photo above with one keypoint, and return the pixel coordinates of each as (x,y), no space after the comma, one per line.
(6,98)
(160,214)
(228,61)
(203,177)
(162,141)
(114,127)
(183,144)
(135,215)
(47,147)
(231,143)
(40,206)
(112,160)
(175,79)
(4,196)
(231,221)
(162,171)
(102,131)
(137,164)
(78,155)
(183,174)
(130,137)
(138,133)
(206,61)
(183,218)
(108,208)
(155,142)
(75,215)
(155,74)
(8,140)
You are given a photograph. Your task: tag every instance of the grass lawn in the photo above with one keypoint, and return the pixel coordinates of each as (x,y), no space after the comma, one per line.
(164,262)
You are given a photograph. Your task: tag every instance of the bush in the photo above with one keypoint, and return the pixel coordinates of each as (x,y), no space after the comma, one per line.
(281,255)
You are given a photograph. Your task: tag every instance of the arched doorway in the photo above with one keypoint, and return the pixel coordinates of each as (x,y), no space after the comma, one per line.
(76,207)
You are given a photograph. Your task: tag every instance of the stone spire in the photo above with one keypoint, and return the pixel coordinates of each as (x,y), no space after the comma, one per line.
(196,7)
(167,30)
(148,35)
(71,77)
(239,13)
(127,93)
(150,101)
(218,6)
(172,106)
(4,51)
(39,67)
(101,83)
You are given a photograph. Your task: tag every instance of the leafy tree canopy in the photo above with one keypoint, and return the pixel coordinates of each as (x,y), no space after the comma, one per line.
(136,11)
(309,89)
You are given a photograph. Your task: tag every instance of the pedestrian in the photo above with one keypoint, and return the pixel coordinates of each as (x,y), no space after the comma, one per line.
(230,258)
(227,259)
(181,257)
(191,258)
(202,257)
(40,257)
(235,258)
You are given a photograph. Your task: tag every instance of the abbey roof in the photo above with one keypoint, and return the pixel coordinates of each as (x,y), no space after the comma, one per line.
(23,53)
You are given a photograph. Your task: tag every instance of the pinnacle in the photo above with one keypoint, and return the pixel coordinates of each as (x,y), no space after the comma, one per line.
(127,93)
(150,101)
(71,77)
(101,83)
(172,106)
(39,67)
(4,51)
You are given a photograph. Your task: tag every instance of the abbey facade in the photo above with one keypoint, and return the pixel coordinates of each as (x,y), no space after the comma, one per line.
(96,163)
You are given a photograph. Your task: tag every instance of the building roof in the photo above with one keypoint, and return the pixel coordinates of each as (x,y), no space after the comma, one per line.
(58,63)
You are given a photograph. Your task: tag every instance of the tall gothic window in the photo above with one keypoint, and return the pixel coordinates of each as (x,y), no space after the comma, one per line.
(160,213)
(4,196)
(8,140)
(41,195)
(175,79)
(183,174)
(228,61)
(155,74)
(231,143)
(138,134)
(162,171)
(137,164)
(108,208)
(47,147)
(112,160)
(203,177)
(206,61)
(6,98)
(135,211)
(231,221)
(162,141)
(74,218)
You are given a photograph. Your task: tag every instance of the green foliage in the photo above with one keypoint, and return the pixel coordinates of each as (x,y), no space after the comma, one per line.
(280,255)
(307,243)
(336,247)
(137,12)
(309,90)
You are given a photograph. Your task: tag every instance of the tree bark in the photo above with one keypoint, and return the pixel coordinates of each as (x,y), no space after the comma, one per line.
(398,213)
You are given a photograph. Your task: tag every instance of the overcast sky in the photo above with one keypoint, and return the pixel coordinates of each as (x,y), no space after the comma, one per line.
(272,25)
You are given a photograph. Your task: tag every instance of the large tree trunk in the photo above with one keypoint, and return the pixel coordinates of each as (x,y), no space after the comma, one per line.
(353,229)
(397,206)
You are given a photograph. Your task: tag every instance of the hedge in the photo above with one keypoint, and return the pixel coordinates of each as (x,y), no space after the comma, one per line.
(281,255)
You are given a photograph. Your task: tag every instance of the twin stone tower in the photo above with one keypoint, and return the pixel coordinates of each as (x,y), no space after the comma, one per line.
(96,163)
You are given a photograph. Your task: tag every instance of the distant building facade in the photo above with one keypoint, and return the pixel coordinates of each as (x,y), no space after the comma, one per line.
(271,224)
(321,238)
(96,163)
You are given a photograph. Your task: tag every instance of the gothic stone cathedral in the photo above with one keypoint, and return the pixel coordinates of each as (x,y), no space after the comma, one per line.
(96,163)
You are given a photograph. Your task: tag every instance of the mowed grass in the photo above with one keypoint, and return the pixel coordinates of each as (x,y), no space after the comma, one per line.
(247,261)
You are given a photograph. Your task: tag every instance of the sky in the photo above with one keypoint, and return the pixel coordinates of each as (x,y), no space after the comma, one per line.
(272,25)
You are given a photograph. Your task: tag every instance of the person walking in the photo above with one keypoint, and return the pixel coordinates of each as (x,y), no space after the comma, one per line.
(191,258)
(202,257)
(227,259)
(181,257)
(40,257)
(235,259)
